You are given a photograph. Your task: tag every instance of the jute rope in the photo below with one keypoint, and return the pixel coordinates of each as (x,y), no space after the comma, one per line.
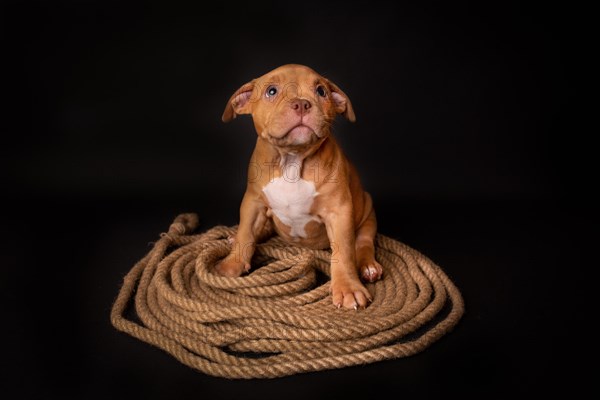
(279,320)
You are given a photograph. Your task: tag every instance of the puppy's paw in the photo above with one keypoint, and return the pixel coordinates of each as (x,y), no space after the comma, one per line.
(349,293)
(371,271)
(231,268)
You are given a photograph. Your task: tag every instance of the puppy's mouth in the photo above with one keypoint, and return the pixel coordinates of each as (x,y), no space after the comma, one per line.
(299,135)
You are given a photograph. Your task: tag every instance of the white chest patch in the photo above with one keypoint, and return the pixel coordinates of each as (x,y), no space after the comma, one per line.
(291,203)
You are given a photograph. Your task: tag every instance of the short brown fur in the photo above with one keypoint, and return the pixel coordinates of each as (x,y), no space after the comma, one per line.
(294,127)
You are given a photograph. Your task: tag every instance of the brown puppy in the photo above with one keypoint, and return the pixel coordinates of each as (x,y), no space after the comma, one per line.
(300,184)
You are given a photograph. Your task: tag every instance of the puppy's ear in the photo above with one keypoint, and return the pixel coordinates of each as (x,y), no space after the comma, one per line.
(341,101)
(239,103)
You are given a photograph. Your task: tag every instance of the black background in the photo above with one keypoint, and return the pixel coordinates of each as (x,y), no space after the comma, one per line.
(113,128)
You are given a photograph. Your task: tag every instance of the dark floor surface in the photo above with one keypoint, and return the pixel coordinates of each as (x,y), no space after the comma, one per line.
(514,263)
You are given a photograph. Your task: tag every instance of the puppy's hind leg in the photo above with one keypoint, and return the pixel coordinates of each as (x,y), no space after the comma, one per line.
(254,226)
(368,268)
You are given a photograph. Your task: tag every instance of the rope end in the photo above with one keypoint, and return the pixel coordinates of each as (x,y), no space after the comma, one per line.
(184,224)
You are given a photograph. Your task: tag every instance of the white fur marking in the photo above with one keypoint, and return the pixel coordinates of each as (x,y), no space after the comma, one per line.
(291,202)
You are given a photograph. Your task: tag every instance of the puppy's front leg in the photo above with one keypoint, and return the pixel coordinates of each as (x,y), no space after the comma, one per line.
(253,226)
(346,288)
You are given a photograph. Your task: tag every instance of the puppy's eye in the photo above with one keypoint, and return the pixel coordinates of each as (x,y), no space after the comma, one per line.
(321,91)
(271,91)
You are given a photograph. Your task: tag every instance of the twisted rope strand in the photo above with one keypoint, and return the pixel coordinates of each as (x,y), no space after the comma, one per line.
(279,311)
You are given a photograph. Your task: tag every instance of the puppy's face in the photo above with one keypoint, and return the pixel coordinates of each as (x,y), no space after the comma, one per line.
(292,106)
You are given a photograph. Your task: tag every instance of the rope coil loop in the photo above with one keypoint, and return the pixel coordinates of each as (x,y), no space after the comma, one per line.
(279,320)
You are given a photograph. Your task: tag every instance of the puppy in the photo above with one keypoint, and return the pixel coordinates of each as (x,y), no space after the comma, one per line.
(300,184)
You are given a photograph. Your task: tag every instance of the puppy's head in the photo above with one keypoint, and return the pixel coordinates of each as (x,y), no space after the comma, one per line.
(292,106)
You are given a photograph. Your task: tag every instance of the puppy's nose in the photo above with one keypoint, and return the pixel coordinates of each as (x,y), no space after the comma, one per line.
(301,106)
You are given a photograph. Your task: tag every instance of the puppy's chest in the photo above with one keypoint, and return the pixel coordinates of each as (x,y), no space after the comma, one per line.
(291,201)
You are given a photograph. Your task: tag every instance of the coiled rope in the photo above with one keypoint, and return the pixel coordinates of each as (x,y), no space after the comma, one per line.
(279,320)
